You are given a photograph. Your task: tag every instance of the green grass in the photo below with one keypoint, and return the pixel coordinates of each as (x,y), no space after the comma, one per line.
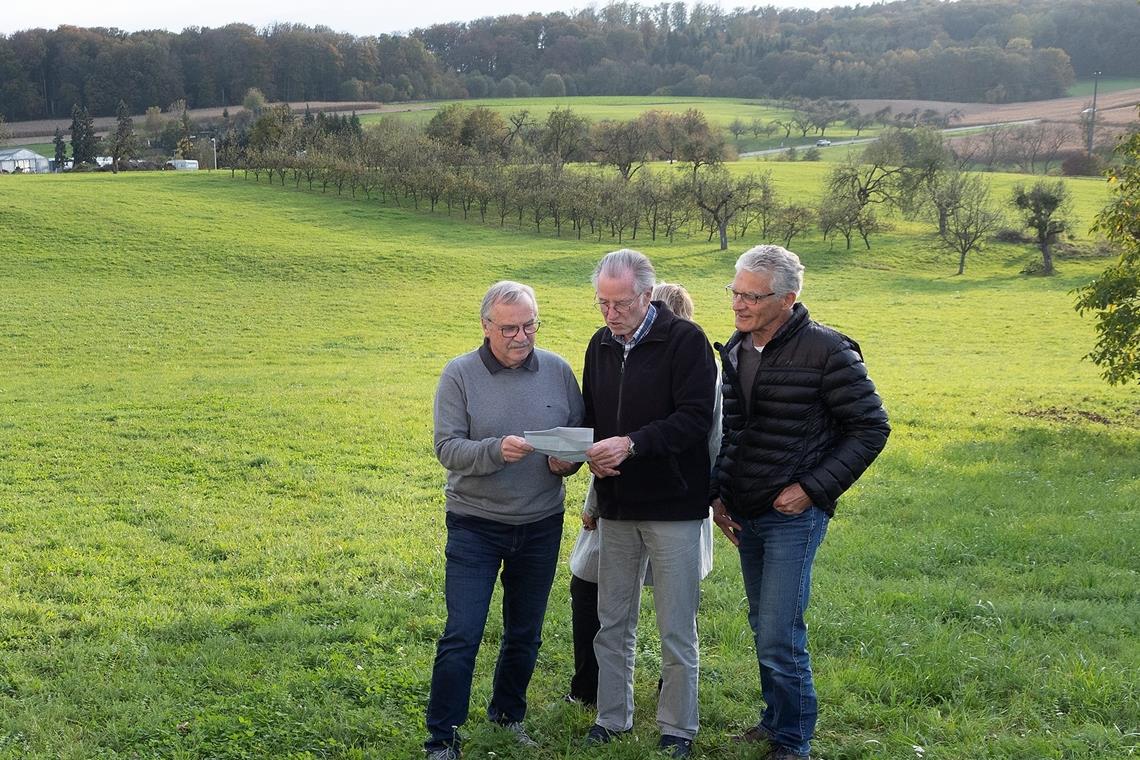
(221,521)
(623,108)
(47,150)
(1085,86)
(720,112)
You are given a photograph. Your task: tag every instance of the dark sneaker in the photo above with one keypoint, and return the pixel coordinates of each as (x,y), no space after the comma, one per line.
(602,735)
(675,746)
(784,753)
(445,753)
(755,735)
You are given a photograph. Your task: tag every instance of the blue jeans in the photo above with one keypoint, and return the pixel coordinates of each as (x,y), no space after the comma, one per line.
(476,550)
(776,555)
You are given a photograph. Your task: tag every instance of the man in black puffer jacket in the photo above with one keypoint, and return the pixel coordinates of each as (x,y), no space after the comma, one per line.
(802,422)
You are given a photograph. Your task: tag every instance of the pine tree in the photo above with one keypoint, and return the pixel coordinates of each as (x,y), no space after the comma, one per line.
(60,149)
(124,144)
(83,141)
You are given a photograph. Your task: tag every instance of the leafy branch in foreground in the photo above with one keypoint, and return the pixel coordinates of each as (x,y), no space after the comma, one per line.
(1114,297)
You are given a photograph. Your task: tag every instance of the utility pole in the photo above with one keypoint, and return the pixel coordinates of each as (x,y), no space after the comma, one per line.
(1092,111)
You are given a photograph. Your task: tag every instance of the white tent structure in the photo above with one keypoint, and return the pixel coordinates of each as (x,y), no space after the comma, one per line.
(14,160)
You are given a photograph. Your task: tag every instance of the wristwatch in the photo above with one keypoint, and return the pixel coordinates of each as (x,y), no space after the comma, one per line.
(630,452)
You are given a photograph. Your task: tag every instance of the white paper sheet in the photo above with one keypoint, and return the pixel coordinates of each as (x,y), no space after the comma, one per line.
(567,443)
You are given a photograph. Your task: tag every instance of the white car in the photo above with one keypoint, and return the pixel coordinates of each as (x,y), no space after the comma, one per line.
(823,143)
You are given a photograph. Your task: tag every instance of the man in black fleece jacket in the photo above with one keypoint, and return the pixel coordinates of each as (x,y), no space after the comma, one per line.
(802,421)
(648,387)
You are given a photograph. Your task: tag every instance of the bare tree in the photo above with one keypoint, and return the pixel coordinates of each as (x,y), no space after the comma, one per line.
(970,218)
(721,198)
(737,127)
(792,221)
(760,127)
(1035,144)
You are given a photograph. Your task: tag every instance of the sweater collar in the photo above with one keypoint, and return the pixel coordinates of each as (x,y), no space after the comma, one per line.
(494,366)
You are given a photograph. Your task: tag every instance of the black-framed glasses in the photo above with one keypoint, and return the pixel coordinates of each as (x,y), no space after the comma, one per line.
(621,307)
(749,298)
(510,331)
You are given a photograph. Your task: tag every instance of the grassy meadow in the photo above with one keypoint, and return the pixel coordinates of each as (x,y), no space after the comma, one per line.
(221,521)
(720,112)
(1106,84)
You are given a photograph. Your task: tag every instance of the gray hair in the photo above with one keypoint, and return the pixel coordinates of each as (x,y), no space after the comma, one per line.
(779,263)
(627,260)
(508,292)
(675,297)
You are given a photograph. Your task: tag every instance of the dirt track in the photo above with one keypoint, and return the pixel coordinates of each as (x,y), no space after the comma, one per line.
(1115,108)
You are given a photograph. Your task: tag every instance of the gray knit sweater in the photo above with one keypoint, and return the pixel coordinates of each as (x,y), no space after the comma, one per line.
(477,404)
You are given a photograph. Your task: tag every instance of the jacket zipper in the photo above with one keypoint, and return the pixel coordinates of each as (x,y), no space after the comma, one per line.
(621,388)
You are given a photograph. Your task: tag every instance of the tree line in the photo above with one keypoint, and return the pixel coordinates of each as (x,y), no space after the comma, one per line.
(997,50)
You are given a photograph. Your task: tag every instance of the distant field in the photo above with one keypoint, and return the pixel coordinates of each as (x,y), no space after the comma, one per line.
(1106,85)
(598,107)
(719,112)
(45,149)
(221,519)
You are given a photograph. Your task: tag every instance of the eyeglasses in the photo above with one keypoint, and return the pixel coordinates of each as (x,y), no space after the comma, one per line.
(620,307)
(749,298)
(510,331)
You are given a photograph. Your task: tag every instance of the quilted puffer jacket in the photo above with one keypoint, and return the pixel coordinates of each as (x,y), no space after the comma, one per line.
(815,419)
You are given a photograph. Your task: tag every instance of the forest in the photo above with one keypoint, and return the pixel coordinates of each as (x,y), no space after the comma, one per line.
(972,50)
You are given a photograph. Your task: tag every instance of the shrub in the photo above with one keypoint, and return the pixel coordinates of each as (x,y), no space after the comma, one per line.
(1082,165)
(1011,235)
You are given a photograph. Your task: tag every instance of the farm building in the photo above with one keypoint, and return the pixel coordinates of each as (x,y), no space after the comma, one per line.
(14,160)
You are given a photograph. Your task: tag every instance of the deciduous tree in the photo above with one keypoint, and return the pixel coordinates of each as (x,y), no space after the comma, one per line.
(1043,208)
(721,197)
(970,218)
(1114,297)
(624,145)
(792,220)
(565,137)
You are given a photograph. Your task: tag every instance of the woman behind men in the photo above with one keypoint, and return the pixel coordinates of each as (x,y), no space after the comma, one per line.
(584,557)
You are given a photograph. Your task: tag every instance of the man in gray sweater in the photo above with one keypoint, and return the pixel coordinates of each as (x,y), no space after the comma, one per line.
(504,509)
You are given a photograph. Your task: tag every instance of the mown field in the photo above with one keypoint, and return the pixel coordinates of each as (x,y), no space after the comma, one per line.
(720,112)
(221,522)
(1106,84)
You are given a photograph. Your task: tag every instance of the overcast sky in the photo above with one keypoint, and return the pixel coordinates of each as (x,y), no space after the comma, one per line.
(358,18)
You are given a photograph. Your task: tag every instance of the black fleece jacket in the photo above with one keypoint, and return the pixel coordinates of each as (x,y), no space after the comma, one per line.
(815,419)
(662,397)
